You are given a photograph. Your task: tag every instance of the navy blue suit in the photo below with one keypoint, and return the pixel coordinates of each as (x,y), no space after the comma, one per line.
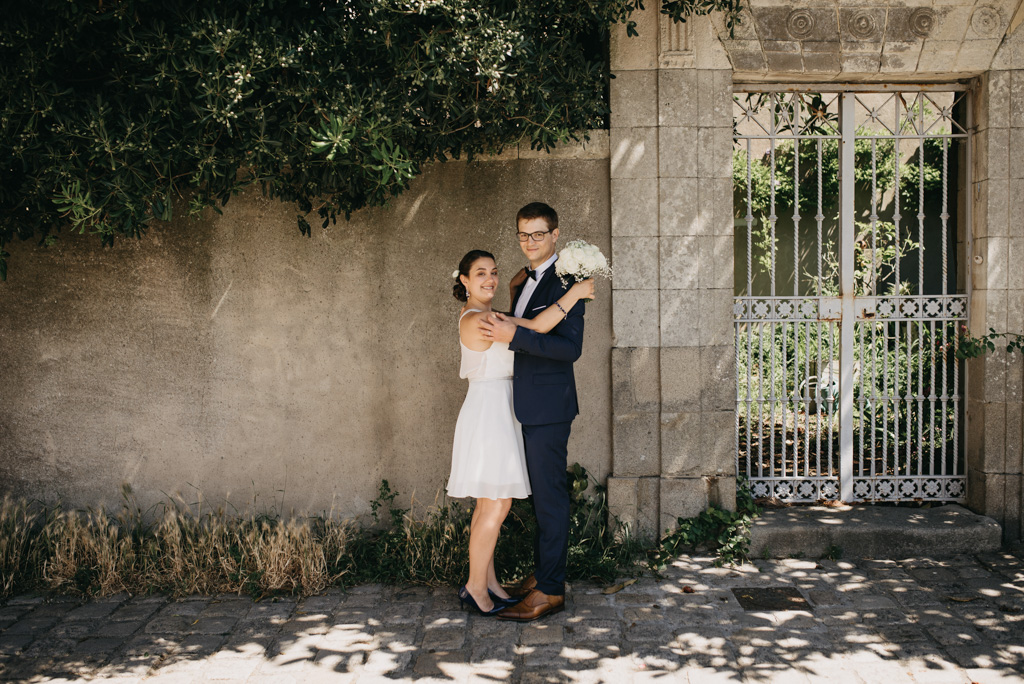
(544,396)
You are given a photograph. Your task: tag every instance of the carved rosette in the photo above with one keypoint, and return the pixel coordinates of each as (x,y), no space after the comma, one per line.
(986,22)
(800,23)
(922,21)
(863,26)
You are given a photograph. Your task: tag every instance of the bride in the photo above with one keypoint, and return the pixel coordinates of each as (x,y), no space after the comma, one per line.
(488,459)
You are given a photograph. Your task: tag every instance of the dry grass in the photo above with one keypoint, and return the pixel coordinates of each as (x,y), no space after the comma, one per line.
(181,550)
(181,553)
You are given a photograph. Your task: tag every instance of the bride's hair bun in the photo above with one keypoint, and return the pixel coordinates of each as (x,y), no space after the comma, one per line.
(459,290)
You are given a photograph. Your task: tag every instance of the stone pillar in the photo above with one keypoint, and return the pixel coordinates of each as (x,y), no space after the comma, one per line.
(698,384)
(636,396)
(995,401)
(672,248)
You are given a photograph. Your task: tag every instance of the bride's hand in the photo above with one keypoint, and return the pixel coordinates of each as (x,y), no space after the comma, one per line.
(583,289)
(519,278)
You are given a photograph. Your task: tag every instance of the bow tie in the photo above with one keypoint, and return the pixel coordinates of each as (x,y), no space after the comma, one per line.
(530,273)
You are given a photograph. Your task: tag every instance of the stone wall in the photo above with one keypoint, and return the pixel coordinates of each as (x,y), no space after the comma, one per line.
(233,359)
(996,381)
(673,372)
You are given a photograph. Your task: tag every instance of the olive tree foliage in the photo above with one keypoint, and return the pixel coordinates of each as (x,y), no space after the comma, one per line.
(121,112)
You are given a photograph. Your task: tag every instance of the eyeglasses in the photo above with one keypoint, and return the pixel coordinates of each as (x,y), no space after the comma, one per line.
(533,237)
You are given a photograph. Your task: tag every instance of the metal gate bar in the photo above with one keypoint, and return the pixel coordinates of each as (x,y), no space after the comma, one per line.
(840,422)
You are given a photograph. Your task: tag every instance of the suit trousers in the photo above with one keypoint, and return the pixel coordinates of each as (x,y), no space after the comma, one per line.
(547,450)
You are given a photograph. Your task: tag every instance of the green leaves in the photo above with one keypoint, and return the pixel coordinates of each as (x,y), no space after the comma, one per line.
(118,111)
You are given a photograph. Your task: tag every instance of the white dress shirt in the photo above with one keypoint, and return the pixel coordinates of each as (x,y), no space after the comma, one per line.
(531,285)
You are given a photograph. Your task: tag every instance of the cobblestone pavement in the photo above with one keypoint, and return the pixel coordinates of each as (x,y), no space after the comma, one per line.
(933,620)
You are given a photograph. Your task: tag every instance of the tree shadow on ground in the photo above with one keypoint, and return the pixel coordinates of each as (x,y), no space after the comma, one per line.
(957,619)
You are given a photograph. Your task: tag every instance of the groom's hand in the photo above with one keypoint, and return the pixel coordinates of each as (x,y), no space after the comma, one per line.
(497,328)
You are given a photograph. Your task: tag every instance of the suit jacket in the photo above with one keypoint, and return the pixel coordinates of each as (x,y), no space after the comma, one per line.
(543,382)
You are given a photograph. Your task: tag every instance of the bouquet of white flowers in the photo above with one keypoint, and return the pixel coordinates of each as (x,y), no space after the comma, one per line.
(580,260)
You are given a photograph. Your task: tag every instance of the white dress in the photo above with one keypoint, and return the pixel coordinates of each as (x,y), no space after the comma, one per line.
(488,458)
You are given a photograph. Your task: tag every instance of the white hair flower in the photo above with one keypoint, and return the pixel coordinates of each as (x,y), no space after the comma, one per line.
(455,273)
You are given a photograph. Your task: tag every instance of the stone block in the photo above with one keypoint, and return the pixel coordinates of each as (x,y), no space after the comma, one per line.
(634,152)
(681,498)
(1013,524)
(976,55)
(636,263)
(635,379)
(717,325)
(622,501)
(679,262)
(1015,263)
(861,64)
(996,109)
(714,98)
(784,62)
(1015,307)
(1016,166)
(635,52)
(708,51)
(994,440)
(719,441)
(636,444)
(682,452)
(721,191)
(634,207)
(722,492)
(678,98)
(985,493)
(677,154)
(861,24)
(681,379)
(717,378)
(635,318)
(1015,208)
(678,212)
(823,62)
(937,55)
(748,61)
(680,321)
(1016,99)
(1014,454)
(991,273)
(715,259)
(999,154)
(714,152)
(950,25)
(633,99)
(648,507)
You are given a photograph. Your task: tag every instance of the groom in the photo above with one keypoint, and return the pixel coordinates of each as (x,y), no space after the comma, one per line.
(544,395)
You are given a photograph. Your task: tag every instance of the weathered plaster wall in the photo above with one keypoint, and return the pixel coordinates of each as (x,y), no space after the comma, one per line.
(234,357)
(996,382)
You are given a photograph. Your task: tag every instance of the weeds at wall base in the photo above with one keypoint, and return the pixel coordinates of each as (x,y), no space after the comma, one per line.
(183,552)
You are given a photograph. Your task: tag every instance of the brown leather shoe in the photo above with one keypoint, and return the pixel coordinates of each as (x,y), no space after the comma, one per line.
(536,605)
(523,588)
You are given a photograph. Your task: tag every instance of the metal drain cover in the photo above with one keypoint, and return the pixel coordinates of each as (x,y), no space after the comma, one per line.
(770,598)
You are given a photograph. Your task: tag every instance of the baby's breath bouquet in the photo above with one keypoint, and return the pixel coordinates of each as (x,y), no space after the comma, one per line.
(580,260)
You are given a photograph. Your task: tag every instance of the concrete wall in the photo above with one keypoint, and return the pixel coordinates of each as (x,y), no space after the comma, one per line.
(234,357)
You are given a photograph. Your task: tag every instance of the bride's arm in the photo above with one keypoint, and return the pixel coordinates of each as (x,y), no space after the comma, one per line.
(553,315)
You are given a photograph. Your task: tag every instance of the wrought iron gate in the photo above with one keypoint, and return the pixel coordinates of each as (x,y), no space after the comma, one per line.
(849,300)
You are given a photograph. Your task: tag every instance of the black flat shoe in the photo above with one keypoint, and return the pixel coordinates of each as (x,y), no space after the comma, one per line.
(504,602)
(467,600)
